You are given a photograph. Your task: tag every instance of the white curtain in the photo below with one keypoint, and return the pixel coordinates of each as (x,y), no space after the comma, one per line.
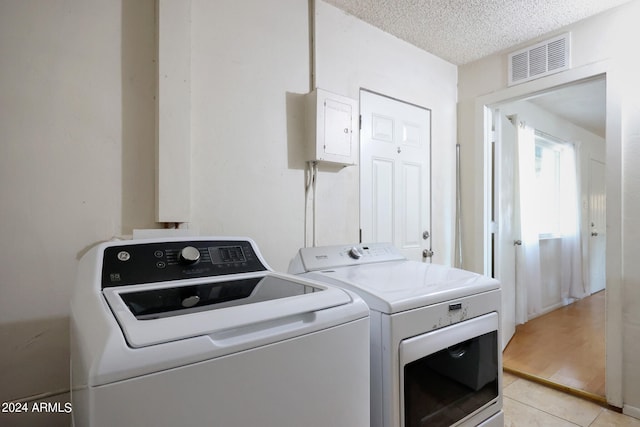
(528,268)
(572,285)
(528,278)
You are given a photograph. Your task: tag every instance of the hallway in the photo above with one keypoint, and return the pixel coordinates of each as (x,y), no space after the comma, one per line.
(565,346)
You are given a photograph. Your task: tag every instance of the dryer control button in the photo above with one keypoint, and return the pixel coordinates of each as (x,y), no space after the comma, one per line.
(355,252)
(189,255)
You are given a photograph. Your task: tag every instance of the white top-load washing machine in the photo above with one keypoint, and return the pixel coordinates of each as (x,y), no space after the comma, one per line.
(435,337)
(201,332)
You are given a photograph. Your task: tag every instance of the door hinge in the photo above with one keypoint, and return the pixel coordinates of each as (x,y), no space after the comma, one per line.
(360,236)
(360,122)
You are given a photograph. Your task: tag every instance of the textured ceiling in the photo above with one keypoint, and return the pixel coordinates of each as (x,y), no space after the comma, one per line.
(461,31)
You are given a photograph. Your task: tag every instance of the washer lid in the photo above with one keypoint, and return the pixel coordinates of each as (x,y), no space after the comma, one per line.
(158,313)
(392,287)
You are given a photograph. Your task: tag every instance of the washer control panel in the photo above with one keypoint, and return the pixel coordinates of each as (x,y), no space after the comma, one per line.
(131,264)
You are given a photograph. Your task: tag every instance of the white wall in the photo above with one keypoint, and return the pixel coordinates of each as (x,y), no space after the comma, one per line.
(247,170)
(351,55)
(630,297)
(76,165)
(607,37)
(248,75)
(77,138)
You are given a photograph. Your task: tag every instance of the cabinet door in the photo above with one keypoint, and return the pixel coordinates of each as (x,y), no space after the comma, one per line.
(337,128)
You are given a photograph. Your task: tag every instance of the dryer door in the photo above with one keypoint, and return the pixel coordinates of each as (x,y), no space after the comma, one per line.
(450,374)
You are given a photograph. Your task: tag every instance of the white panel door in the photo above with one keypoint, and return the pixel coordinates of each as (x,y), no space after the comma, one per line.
(505,208)
(395,174)
(597,226)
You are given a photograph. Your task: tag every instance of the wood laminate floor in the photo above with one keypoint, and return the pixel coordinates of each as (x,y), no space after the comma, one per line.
(565,346)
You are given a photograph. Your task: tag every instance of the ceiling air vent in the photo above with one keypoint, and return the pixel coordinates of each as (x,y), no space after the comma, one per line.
(539,60)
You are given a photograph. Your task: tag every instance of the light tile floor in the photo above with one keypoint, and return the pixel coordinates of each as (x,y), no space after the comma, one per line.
(530,404)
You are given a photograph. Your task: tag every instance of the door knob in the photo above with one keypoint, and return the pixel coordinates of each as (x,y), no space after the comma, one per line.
(594,233)
(425,235)
(517,243)
(427,253)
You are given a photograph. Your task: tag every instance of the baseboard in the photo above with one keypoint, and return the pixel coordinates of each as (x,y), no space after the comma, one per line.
(631,411)
(548,309)
(43,396)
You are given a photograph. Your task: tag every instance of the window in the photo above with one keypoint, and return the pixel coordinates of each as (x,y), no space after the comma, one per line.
(548,199)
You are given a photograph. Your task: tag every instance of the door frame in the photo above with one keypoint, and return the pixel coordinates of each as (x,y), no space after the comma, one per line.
(482,138)
(501,245)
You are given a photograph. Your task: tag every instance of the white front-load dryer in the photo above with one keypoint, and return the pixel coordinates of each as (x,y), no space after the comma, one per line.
(201,332)
(436,358)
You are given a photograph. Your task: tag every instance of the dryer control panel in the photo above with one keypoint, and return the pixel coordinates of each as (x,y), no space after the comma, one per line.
(326,257)
(131,264)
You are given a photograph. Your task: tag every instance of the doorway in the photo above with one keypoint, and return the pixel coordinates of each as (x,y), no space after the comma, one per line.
(550,114)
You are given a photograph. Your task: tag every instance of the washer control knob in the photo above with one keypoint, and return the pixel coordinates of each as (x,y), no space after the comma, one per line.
(189,255)
(355,253)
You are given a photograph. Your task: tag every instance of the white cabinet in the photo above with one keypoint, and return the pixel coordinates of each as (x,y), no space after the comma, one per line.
(332,128)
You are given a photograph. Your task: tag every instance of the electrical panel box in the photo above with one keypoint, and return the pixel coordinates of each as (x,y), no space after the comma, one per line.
(332,128)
